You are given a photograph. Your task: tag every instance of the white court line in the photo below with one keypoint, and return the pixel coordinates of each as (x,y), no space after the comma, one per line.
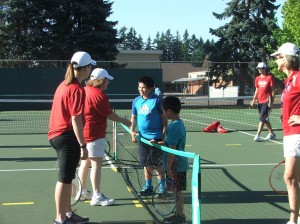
(112,166)
(47,169)
(246,133)
(243,132)
(233,165)
(217,119)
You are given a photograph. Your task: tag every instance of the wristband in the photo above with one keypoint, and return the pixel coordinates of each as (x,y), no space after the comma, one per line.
(83,146)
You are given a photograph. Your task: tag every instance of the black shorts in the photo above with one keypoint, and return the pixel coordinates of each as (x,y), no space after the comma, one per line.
(263,110)
(68,154)
(180,181)
(149,155)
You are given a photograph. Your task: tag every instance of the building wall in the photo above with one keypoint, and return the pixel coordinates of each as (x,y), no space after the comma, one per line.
(139,59)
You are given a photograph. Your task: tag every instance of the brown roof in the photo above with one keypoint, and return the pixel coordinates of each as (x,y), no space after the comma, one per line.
(173,71)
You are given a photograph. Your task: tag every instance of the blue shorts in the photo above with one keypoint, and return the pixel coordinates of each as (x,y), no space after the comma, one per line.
(263,110)
(149,155)
(68,155)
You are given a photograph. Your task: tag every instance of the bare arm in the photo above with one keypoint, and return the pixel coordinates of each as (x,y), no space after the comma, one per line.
(132,127)
(254,97)
(170,161)
(78,130)
(164,126)
(273,95)
(117,118)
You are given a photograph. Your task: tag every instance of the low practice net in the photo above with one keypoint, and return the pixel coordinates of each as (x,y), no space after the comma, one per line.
(31,116)
(127,160)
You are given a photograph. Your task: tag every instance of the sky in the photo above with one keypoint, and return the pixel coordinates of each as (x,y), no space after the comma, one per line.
(148,17)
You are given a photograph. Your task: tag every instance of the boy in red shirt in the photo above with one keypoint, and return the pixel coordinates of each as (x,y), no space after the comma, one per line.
(264,93)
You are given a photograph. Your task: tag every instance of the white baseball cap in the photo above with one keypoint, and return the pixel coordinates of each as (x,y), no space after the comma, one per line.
(287,49)
(99,73)
(81,59)
(261,65)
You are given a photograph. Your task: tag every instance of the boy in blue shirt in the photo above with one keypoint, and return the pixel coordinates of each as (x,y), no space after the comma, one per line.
(176,166)
(148,115)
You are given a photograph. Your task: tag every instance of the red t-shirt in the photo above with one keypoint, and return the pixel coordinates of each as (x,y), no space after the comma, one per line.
(264,86)
(291,103)
(96,110)
(68,101)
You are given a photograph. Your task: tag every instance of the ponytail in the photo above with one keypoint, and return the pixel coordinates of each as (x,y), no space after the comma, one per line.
(69,76)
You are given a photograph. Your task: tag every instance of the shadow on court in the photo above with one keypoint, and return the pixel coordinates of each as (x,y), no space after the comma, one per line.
(126,222)
(244,221)
(29,159)
(24,146)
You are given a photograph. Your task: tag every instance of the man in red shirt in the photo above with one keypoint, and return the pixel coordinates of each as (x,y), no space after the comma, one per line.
(264,94)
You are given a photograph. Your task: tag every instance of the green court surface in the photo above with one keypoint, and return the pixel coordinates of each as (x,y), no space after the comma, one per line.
(234,182)
(28,177)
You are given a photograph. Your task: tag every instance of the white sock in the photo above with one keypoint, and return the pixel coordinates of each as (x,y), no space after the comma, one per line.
(97,194)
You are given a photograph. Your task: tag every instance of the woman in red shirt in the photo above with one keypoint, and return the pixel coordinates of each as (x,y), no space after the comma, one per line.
(96,111)
(66,134)
(287,59)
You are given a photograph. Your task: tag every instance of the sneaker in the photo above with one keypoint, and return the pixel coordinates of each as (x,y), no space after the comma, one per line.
(102,200)
(146,191)
(76,219)
(161,195)
(85,195)
(175,219)
(66,221)
(257,138)
(271,136)
(289,222)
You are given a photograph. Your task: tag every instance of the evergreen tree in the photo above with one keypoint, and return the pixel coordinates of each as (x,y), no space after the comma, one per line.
(168,48)
(122,35)
(43,29)
(246,38)
(148,44)
(130,40)
(185,49)
(197,51)
(176,48)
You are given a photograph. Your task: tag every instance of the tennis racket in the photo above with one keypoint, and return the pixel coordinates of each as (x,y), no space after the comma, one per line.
(154,160)
(165,203)
(107,147)
(76,190)
(276,178)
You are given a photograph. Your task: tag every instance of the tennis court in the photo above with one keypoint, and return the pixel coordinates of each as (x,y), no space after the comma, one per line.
(234,176)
